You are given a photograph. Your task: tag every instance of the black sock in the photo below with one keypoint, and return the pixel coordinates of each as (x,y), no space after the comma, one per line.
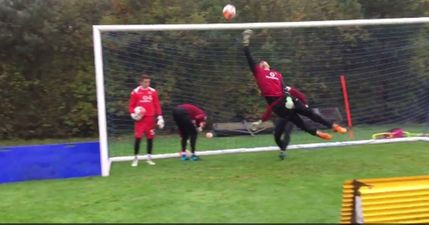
(137,146)
(193,142)
(149,146)
(183,143)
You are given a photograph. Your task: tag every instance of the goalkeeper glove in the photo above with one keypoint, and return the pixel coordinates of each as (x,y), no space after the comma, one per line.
(246,37)
(289,103)
(160,122)
(199,129)
(286,89)
(255,125)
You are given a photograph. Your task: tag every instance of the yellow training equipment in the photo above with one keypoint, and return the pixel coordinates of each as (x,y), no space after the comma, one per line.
(386,200)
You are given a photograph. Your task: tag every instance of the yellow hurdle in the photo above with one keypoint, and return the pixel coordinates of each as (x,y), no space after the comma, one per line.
(386,200)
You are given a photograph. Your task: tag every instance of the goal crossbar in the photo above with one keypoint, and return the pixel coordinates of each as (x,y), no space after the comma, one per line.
(267,25)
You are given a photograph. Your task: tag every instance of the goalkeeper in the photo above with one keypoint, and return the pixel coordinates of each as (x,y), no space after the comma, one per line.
(190,120)
(144,123)
(277,95)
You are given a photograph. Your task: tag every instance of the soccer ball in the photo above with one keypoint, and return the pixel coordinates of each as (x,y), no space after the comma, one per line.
(209,135)
(229,12)
(139,112)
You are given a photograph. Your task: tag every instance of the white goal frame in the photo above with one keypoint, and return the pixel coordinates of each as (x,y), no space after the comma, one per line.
(105,161)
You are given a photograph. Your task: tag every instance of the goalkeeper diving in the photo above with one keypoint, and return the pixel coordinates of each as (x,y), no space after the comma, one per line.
(281,101)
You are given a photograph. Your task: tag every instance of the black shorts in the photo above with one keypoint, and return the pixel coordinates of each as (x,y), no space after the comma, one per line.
(184,123)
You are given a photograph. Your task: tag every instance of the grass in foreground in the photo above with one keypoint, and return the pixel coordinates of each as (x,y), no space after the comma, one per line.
(251,187)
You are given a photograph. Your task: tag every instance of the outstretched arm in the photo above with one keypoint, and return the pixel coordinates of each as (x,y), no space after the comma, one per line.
(267,115)
(249,58)
(246,41)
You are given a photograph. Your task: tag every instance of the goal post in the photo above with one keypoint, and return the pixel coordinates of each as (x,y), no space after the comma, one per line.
(308,55)
(101,104)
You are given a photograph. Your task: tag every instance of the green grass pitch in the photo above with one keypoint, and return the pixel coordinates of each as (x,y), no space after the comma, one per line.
(233,188)
(123,145)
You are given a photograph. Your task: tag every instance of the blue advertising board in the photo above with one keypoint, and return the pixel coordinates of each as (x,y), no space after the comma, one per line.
(53,161)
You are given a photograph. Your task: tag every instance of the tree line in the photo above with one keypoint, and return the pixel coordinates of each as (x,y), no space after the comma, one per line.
(47,80)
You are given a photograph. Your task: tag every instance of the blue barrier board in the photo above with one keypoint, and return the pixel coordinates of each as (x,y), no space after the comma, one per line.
(53,161)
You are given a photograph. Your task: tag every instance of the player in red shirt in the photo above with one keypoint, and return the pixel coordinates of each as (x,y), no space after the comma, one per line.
(190,120)
(270,82)
(144,107)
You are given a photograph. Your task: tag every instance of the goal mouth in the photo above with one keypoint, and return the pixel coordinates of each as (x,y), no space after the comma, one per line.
(203,64)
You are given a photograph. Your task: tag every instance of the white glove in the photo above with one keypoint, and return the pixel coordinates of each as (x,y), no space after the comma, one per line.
(199,129)
(160,122)
(255,125)
(289,103)
(246,37)
(136,116)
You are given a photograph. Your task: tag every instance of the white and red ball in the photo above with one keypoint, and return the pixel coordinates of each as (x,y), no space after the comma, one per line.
(139,112)
(209,135)
(229,12)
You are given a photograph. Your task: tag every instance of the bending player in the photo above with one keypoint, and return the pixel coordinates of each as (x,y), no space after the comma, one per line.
(146,98)
(190,120)
(277,96)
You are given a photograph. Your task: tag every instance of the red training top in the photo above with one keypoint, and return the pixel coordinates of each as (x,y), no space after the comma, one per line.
(147,98)
(270,82)
(194,113)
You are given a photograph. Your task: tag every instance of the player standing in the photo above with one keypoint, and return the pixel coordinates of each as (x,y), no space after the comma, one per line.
(270,82)
(146,97)
(190,120)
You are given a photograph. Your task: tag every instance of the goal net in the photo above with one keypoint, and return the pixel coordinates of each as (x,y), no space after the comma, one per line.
(384,64)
